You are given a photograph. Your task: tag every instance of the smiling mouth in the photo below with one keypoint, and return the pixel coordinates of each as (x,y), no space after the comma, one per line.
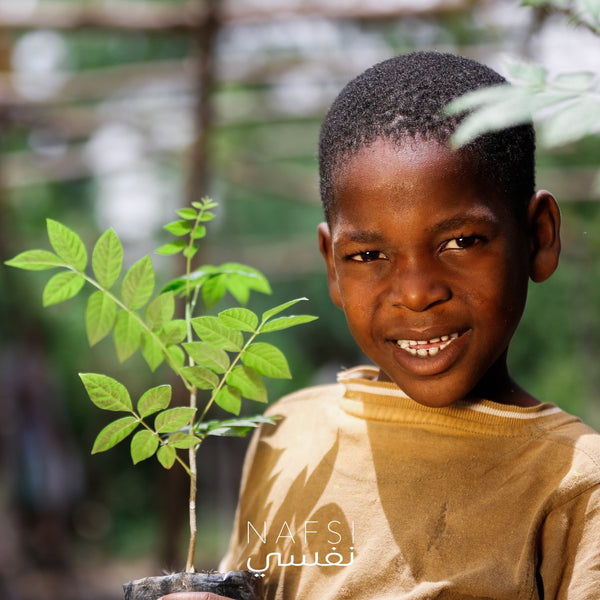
(427,348)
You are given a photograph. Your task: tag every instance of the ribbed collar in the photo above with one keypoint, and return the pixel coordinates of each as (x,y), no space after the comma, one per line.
(373,400)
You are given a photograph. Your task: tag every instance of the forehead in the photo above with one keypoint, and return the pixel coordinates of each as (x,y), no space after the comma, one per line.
(386,179)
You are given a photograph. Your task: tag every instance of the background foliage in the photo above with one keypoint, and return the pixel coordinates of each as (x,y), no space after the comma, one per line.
(116,112)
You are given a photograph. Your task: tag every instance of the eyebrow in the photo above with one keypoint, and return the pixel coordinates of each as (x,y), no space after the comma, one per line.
(478,217)
(361,236)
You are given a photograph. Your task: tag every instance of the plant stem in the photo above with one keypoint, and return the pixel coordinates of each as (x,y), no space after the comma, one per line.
(190,302)
(193,474)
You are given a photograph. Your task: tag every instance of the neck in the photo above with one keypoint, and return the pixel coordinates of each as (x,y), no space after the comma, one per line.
(497,385)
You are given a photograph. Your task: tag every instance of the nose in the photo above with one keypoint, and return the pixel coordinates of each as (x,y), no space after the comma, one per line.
(418,286)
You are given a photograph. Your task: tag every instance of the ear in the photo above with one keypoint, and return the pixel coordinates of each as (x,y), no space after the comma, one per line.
(326,248)
(543,219)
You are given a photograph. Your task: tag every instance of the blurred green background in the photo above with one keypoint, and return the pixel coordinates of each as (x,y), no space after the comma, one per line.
(116,112)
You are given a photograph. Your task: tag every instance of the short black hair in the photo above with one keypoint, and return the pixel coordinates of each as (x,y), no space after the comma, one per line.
(404,98)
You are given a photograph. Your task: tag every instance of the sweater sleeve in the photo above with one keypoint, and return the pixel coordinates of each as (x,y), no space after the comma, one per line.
(570,549)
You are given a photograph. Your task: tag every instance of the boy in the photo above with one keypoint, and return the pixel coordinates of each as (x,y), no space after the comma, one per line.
(433,474)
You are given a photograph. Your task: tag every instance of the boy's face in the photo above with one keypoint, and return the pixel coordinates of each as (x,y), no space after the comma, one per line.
(430,268)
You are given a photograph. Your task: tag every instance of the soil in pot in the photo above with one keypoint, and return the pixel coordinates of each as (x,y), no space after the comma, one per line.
(240,585)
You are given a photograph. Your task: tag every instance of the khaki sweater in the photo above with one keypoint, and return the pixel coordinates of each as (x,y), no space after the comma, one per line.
(360,492)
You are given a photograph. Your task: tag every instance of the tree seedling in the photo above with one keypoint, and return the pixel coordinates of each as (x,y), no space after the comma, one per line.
(217,355)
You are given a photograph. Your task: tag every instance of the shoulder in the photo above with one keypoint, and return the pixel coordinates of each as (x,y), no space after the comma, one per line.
(575,452)
(306,401)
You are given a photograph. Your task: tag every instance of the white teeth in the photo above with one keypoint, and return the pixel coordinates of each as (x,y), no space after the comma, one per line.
(411,346)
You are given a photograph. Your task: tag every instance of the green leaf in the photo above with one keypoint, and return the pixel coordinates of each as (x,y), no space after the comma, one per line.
(206,355)
(166,456)
(267,360)
(187,213)
(241,319)
(179,227)
(36,260)
(107,258)
(238,289)
(183,441)
(286,322)
(155,399)
(206,216)
(572,122)
(212,330)
(201,377)
(577,81)
(172,247)
(160,311)
(144,444)
(100,315)
(127,334)
(67,244)
(199,232)
(174,419)
(525,72)
(249,383)
(114,433)
(151,350)
(232,427)
(173,332)
(229,399)
(280,308)
(176,356)
(213,290)
(138,283)
(106,393)
(61,287)
(190,251)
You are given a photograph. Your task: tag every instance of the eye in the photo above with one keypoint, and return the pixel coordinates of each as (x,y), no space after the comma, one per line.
(367,256)
(462,242)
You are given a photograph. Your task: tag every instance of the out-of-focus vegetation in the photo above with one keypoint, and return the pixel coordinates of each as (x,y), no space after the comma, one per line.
(116,112)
